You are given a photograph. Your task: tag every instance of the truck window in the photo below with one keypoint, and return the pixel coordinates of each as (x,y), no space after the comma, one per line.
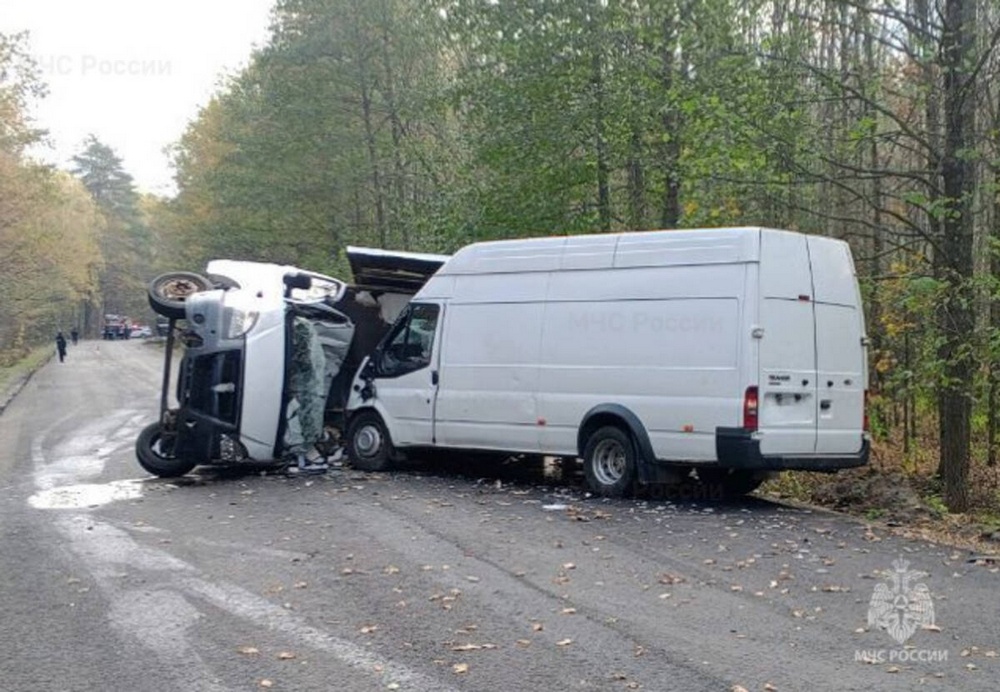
(411,341)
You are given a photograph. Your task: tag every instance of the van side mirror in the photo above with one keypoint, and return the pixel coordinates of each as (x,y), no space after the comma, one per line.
(297,280)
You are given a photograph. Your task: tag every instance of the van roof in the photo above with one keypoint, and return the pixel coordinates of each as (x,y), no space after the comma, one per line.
(606,250)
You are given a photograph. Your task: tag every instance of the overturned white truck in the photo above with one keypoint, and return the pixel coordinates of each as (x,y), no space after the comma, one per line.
(269,355)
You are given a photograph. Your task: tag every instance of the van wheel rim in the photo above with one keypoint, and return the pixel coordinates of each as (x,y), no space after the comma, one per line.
(610,462)
(368,440)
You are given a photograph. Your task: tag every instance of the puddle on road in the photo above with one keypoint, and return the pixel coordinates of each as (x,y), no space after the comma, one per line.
(87,495)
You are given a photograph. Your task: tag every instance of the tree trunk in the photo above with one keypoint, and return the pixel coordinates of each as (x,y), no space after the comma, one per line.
(957,313)
(396,125)
(603,168)
(372,146)
(670,149)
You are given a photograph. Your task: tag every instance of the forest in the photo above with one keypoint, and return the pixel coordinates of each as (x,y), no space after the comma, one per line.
(428,124)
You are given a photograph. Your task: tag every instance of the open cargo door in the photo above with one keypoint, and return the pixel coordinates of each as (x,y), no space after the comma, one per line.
(385,271)
(384,283)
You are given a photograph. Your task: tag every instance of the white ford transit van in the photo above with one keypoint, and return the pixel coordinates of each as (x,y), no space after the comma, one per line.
(656,357)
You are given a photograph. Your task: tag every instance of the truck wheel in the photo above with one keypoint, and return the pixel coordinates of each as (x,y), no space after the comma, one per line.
(156,453)
(167,292)
(609,462)
(732,483)
(368,443)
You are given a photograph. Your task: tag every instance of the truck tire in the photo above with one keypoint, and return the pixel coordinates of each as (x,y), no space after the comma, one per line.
(158,458)
(609,462)
(167,292)
(368,443)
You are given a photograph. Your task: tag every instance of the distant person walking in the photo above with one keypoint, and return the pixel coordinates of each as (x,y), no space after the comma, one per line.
(74,335)
(61,346)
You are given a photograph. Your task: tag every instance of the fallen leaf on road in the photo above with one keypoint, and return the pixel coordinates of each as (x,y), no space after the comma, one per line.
(391,569)
(286,656)
(568,611)
(768,687)
(523,643)
(368,629)
(930,628)
(537,627)
(460,668)
(564,642)
(668,578)
(569,565)
(301,584)
(739,688)
(892,669)
(833,588)
(249,650)
(266,683)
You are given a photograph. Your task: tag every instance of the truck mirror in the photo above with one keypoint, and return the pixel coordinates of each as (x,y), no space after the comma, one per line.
(297,280)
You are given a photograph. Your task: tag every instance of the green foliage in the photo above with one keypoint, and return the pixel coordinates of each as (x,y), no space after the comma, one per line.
(48,224)
(125,243)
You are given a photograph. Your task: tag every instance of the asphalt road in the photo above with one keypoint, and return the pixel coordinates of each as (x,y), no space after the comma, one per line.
(434,578)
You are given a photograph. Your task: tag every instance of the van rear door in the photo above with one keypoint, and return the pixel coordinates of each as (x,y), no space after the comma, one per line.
(787,385)
(840,351)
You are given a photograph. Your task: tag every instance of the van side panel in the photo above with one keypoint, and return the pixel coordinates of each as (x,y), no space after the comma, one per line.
(787,387)
(840,354)
(660,341)
(489,363)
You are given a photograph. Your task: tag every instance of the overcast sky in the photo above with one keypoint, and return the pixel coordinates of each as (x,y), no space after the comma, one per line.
(132,72)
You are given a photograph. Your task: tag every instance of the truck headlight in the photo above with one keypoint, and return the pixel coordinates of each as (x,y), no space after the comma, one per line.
(239,322)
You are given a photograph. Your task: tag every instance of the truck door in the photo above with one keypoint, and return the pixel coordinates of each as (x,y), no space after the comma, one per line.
(406,383)
(787,385)
(840,351)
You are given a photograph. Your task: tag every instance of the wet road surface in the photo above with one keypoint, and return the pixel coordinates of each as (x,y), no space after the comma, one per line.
(446,576)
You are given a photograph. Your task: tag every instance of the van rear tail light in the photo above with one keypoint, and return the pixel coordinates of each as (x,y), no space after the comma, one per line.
(750,408)
(866,425)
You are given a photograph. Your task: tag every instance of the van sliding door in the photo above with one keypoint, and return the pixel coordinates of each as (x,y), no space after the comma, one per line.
(787,385)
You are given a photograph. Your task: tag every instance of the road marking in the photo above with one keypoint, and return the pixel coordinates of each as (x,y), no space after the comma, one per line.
(160,617)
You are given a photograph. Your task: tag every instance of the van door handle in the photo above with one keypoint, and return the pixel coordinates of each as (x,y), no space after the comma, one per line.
(825,404)
(434,377)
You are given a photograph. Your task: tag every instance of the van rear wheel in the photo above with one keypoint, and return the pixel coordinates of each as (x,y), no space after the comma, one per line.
(609,462)
(368,443)
(154,448)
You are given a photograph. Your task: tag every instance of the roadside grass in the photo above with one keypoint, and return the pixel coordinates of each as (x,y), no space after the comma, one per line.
(22,367)
(901,490)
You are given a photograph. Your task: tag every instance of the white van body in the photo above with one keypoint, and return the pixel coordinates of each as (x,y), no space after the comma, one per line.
(734,348)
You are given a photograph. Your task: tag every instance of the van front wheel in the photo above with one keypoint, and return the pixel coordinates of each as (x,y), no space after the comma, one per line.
(155,450)
(368,442)
(609,462)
